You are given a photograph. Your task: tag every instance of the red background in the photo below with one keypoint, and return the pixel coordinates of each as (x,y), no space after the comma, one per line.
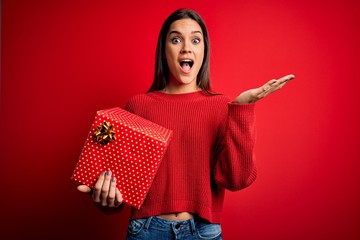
(63,60)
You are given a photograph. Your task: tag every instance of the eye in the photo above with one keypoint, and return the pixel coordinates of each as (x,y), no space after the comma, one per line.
(196,41)
(176,40)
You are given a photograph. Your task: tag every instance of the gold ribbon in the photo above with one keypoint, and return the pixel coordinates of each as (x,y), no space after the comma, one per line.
(104,133)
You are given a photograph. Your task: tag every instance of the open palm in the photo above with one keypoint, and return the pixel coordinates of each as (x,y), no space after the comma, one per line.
(255,94)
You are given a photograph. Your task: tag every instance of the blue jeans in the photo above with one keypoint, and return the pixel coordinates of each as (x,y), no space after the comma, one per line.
(159,229)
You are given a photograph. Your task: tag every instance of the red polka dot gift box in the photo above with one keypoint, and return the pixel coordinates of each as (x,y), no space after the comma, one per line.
(128,145)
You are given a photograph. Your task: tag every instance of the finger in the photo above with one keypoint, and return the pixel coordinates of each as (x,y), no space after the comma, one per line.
(84,189)
(111,196)
(118,198)
(282,81)
(267,88)
(105,188)
(271,82)
(286,78)
(274,85)
(97,188)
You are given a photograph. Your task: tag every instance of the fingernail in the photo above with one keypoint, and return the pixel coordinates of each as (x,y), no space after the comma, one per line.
(113,179)
(108,173)
(103,174)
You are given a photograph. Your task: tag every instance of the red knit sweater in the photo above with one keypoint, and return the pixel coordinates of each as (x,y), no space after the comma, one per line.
(212,149)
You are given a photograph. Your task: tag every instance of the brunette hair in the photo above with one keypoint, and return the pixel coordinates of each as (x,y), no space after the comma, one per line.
(162,72)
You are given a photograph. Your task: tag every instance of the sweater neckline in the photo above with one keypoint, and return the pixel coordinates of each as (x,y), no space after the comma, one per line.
(179,96)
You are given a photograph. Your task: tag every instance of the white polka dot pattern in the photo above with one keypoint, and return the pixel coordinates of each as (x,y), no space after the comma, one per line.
(133,157)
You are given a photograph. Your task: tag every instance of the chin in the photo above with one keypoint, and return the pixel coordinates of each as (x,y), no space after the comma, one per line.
(187,82)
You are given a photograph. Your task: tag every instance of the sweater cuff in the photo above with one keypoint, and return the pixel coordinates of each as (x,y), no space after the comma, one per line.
(246,112)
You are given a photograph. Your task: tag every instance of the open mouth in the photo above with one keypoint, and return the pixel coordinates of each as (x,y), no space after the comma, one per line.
(186,64)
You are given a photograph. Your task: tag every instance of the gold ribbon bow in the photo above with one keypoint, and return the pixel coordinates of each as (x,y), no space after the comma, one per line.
(104,133)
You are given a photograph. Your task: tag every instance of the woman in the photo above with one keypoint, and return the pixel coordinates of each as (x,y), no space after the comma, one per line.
(212,145)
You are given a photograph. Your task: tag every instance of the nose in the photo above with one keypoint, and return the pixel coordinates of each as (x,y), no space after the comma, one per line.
(186,47)
(185,50)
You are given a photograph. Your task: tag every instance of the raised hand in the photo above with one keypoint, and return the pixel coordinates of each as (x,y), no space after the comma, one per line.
(255,94)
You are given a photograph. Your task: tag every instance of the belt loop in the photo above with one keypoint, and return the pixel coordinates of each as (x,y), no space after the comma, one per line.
(193,226)
(147,223)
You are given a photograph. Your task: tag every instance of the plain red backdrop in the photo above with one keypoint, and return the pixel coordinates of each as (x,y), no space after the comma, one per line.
(63,60)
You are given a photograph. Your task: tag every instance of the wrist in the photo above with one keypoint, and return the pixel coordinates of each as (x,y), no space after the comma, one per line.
(245,99)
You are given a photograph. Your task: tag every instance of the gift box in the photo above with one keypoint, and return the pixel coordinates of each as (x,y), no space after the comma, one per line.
(128,145)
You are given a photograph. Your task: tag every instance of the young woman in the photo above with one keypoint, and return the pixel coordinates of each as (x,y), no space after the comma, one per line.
(212,145)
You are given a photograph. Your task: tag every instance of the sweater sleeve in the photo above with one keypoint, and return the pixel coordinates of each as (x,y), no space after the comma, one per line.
(235,163)
(129,106)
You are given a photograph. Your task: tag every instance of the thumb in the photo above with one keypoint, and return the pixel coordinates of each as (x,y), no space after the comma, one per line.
(84,188)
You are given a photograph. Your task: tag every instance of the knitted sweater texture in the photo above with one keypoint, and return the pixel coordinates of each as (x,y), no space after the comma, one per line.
(212,149)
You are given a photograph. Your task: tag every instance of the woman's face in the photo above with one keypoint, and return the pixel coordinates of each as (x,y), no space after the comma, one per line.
(184,51)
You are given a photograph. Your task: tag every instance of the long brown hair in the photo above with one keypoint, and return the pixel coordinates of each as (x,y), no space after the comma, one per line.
(162,72)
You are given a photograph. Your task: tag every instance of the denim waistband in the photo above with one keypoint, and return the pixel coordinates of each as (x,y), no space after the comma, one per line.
(170,224)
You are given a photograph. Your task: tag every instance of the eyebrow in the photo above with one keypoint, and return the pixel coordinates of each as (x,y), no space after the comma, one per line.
(177,32)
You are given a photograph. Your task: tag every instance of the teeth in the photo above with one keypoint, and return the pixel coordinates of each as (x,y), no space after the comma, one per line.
(187,62)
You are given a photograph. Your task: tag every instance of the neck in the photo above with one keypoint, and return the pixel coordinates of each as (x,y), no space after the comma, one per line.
(172,89)
(175,86)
